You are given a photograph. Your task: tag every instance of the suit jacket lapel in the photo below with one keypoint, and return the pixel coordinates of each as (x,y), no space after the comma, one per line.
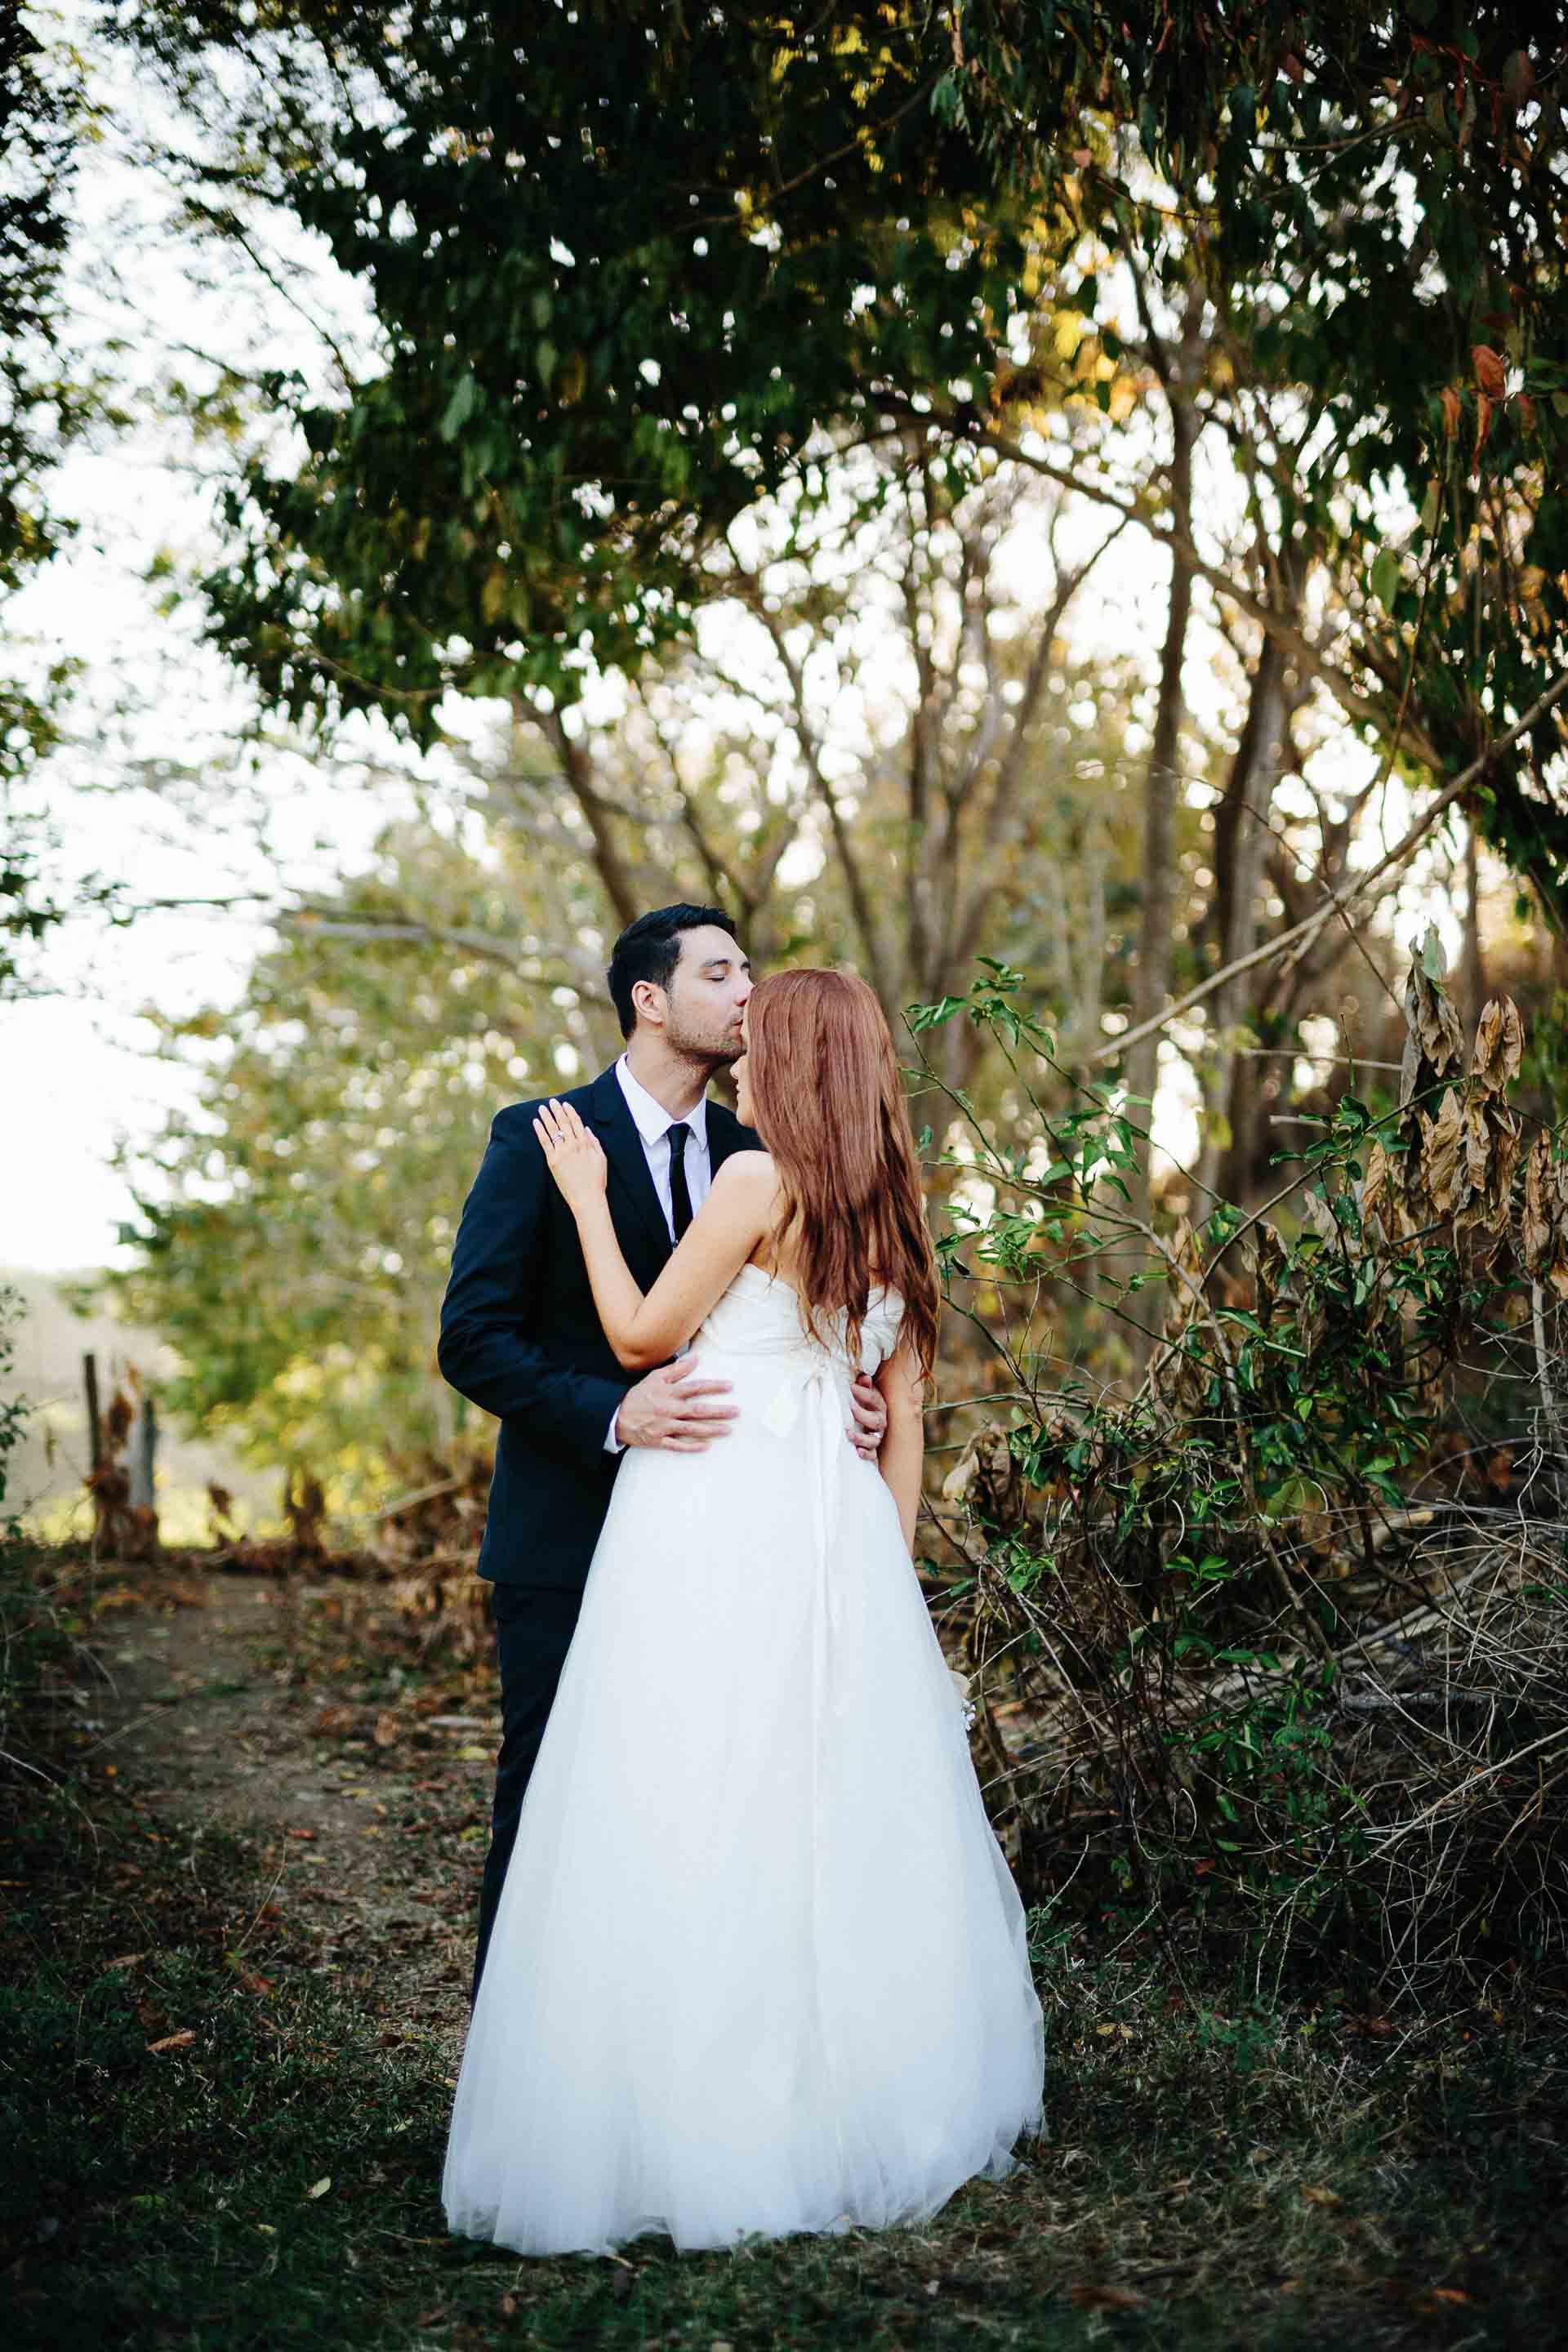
(634,1204)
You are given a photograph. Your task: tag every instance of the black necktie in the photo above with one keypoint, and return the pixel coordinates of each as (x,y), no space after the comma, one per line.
(679,1198)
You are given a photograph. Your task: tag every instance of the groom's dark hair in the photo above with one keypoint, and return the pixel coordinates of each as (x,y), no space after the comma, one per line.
(649,949)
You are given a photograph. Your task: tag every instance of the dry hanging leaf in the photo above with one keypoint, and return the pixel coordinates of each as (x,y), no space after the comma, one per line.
(962,1475)
(1508,1141)
(1270,1267)
(1436,1021)
(1443,1137)
(1477,1147)
(1483,425)
(1320,1217)
(1535,1219)
(1491,374)
(1500,1045)
(1436,1038)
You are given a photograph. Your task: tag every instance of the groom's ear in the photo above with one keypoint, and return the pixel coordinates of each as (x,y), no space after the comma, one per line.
(649,1002)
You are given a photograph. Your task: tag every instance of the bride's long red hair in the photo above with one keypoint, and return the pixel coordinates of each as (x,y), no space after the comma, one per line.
(829,1105)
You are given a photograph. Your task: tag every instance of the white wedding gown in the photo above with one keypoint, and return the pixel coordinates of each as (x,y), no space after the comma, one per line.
(759,1964)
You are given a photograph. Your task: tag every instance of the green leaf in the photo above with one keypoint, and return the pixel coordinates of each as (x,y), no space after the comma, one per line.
(459,409)
(1385,579)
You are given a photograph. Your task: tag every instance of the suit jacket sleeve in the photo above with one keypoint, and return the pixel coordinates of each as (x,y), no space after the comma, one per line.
(487,1348)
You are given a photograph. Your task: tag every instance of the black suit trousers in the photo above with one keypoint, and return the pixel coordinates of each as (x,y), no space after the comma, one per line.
(534,1625)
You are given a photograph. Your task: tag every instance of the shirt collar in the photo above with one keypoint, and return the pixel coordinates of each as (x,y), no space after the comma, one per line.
(651,1119)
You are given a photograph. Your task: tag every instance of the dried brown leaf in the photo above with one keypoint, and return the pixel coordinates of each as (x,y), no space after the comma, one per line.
(1477,1147)
(1508,1142)
(1089,2295)
(1442,1143)
(1270,1266)
(1500,1045)
(1435,1040)
(1535,1218)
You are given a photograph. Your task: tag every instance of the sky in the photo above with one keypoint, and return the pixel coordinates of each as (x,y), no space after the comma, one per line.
(160,722)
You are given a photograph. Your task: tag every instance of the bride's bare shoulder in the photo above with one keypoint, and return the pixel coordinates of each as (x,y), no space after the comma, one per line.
(747,1171)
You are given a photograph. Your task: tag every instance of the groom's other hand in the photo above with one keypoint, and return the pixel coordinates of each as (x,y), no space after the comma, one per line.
(673,1409)
(868,1417)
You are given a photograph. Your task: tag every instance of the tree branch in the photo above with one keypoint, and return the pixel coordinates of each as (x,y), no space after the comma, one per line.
(1304,931)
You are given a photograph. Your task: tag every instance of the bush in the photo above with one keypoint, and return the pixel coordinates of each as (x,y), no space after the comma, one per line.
(1278,1641)
(13,1410)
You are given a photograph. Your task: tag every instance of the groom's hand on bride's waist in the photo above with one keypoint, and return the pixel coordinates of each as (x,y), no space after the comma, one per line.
(868,1417)
(674,1409)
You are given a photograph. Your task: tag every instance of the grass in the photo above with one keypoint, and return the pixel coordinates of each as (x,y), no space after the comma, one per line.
(1220,2172)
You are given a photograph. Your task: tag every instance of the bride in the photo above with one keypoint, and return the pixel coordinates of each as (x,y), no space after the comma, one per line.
(759,1965)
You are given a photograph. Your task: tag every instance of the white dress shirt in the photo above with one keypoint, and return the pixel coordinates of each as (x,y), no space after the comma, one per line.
(653,1124)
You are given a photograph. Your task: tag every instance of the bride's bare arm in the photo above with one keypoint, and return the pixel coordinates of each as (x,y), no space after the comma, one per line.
(740,1208)
(902,1455)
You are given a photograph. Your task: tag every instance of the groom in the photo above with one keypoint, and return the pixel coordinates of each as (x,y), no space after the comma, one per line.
(520,1335)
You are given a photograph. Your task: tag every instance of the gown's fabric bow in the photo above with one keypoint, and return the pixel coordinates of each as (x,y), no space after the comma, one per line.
(811,1405)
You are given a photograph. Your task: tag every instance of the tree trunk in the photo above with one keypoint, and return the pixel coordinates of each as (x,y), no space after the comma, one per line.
(1151,984)
(1241,848)
(1473,974)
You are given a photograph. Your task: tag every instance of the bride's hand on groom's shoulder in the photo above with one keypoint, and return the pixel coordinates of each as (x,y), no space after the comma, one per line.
(573,1156)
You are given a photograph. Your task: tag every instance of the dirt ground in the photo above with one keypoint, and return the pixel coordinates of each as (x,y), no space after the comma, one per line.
(370,1818)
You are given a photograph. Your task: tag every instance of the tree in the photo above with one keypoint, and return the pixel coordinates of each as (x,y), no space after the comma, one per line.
(295,1225)
(42,409)
(623,282)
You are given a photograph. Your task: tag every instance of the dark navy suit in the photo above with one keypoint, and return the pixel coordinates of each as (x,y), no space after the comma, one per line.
(520,1336)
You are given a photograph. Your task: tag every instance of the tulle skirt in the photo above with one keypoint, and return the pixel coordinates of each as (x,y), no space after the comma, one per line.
(759,1965)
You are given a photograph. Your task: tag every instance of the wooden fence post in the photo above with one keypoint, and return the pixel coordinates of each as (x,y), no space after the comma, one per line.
(94,1417)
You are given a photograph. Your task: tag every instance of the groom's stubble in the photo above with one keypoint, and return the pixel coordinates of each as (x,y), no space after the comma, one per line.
(708,1040)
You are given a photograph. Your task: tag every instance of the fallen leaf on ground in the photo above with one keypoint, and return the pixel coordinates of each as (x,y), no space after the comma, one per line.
(386,1729)
(181,2041)
(1321,2197)
(1090,2298)
(318,2188)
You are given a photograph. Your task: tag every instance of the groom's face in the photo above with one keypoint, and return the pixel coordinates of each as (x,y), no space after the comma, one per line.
(706,1000)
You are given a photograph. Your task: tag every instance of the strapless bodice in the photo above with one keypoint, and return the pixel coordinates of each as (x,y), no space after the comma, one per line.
(760,1314)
